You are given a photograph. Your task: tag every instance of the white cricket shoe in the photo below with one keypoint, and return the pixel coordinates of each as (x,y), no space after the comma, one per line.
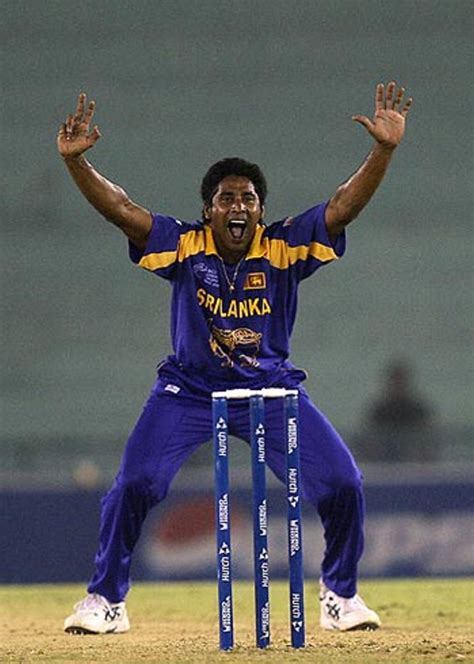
(95,615)
(344,613)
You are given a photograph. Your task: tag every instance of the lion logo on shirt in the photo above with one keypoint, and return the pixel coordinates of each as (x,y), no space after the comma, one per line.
(240,345)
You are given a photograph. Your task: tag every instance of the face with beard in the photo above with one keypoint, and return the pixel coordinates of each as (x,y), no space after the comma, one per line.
(233,215)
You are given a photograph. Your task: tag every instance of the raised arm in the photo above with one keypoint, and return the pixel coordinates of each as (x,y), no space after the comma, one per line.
(387,128)
(74,138)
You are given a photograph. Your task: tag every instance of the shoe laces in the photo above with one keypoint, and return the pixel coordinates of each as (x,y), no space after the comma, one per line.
(91,602)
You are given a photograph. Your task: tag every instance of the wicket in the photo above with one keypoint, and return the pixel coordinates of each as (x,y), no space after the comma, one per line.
(260,527)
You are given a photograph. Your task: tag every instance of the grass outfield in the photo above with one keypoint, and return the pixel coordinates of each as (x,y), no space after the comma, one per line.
(423,621)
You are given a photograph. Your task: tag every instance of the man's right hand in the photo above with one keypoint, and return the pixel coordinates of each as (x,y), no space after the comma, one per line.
(74,137)
(113,202)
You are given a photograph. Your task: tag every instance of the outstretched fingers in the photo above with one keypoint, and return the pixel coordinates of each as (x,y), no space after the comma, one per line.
(389,97)
(76,135)
(84,112)
(364,120)
(89,114)
(406,108)
(398,99)
(95,135)
(379,97)
(81,102)
(65,129)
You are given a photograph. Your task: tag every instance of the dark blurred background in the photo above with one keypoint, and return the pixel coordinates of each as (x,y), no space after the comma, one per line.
(386,334)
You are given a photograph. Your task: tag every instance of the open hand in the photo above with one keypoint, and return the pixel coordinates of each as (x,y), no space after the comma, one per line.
(74,137)
(388,124)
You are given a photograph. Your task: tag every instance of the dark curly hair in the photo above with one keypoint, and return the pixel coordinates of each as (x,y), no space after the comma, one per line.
(233,166)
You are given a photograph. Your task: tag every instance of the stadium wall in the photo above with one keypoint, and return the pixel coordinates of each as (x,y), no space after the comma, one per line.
(414,528)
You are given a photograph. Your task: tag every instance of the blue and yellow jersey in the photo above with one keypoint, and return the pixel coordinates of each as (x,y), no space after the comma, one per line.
(231,324)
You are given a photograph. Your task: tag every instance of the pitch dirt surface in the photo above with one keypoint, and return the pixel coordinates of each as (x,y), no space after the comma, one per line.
(423,621)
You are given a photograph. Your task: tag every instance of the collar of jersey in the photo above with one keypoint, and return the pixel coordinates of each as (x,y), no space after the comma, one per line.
(258,248)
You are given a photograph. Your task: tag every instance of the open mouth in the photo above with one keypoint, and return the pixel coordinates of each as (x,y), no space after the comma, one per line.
(237,228)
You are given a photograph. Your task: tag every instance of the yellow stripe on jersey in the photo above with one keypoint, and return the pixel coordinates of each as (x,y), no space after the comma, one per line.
(190,243)
(282,255)
(322,252)
(157,261)
(259,246)
(279,253)
(209,241)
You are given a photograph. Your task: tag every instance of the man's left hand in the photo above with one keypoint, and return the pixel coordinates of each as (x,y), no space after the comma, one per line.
(388,124)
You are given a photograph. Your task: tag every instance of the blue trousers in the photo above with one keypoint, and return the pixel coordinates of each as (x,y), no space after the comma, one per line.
(172,426)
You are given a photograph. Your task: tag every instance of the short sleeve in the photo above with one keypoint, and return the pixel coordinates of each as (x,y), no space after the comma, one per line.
(161,250)
(301,243)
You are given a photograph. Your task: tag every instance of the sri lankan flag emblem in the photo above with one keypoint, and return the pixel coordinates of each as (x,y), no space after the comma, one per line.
(255,280)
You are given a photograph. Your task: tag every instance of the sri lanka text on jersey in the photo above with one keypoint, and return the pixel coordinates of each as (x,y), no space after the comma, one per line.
(252,306)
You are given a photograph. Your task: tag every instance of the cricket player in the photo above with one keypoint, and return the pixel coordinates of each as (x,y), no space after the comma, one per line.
(233,306)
